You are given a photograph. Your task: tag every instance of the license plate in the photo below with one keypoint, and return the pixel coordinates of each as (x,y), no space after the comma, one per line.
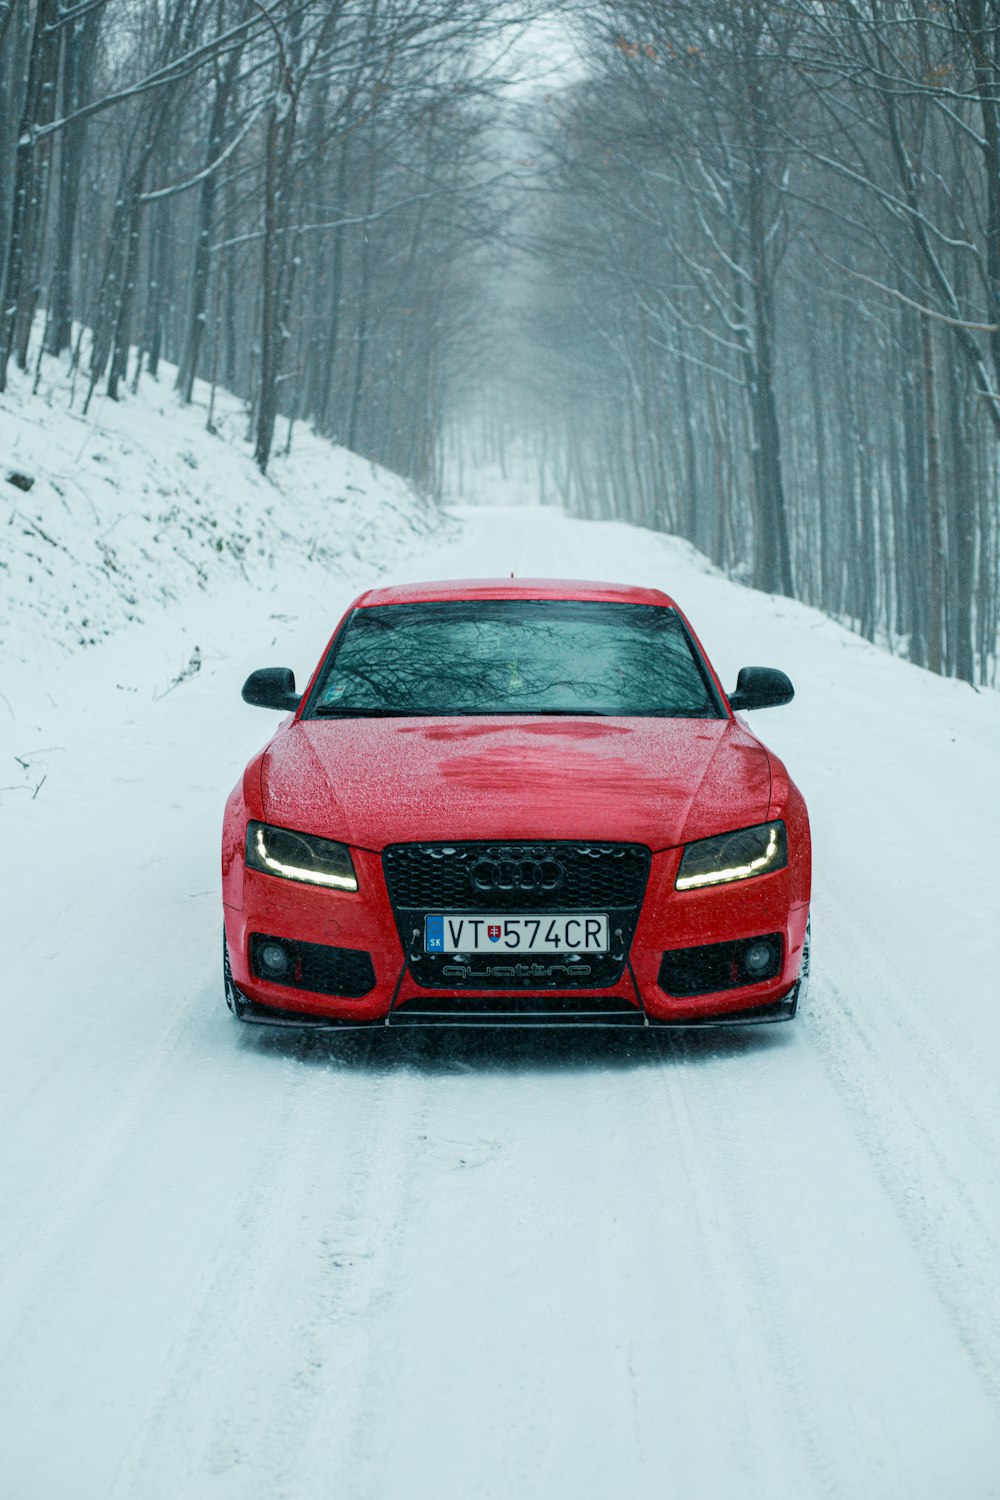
(586,932)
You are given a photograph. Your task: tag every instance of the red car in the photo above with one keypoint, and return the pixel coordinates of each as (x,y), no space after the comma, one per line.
(515,801)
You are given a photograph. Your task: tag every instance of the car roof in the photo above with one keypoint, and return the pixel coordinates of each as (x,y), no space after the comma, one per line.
(512,588)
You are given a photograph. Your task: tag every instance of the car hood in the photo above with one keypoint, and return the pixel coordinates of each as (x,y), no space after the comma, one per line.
(372,782)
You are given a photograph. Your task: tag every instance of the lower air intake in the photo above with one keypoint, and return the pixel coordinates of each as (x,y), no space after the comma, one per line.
(312,966)
(722,966)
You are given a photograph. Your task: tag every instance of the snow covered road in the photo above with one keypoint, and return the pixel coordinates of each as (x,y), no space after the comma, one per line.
(242,1264)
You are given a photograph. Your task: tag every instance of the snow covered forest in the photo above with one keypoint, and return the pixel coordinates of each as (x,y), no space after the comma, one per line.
(267,196)
(771,301)
(737,277)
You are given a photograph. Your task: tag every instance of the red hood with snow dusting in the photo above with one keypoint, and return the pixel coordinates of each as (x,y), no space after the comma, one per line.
(372,782)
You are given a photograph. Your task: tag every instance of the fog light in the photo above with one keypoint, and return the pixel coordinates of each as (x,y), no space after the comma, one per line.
(273,958)
(758,958)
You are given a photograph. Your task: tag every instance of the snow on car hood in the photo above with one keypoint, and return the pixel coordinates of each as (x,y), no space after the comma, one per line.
(372,782)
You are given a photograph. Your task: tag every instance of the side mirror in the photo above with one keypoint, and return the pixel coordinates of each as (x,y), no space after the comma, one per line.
(271,687)
(761,687)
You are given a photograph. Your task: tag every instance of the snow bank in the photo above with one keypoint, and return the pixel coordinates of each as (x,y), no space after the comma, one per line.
(135,508)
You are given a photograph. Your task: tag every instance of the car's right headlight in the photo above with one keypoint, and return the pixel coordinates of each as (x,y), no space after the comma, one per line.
(300,856)
(734,856)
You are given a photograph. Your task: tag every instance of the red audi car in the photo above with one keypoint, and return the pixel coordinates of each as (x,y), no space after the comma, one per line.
(515,801)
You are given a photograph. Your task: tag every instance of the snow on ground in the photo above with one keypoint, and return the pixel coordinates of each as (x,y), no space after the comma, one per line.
(136,505)
(242,1265)
(137,515)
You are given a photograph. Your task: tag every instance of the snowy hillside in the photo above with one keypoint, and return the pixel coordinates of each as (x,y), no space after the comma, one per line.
(135,507)
(761,1265)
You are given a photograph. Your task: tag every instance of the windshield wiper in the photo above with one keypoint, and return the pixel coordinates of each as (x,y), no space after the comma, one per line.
(331,711)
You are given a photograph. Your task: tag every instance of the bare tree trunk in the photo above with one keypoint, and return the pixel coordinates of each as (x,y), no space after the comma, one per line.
(932,437)
(332,341)
(79,50)
(822,535)
(277,193)
(962,531)
(772,562)
(24,237)
(361,331)
(187,368)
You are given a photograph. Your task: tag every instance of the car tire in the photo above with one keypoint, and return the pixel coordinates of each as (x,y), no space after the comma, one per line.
(234,1000)
(806,964)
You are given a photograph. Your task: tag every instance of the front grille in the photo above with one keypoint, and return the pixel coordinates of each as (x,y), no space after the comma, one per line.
(316,967)
(553,878)
(718,966)
(438,877)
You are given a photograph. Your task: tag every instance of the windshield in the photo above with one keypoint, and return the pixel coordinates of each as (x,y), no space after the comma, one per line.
(514,656)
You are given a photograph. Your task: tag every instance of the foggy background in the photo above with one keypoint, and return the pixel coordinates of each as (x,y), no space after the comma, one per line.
(727,271)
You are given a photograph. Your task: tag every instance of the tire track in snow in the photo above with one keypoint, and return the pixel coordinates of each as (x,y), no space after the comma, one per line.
(291,1289)
(804,1235)
(354,1294)
(90,1164)
(697,1077)
(495,1199)
(934,1149)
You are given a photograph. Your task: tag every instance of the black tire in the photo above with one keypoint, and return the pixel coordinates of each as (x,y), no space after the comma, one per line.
(234,1000)
(806,965)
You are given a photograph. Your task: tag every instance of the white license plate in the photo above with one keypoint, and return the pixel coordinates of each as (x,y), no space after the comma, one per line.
(586,932)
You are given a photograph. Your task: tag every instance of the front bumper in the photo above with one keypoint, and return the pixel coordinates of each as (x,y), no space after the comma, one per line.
(757,1015)
(365,922)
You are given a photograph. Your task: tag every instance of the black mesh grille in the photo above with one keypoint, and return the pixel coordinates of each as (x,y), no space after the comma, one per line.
(317,968)
(539,877)
(440,877)
(718,966)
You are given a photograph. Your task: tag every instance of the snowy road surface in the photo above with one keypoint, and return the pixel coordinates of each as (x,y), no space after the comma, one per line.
(240,1264)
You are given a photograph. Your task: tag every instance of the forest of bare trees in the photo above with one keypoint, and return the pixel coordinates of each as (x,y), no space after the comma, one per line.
(766,313)
(755,270)
(281,198)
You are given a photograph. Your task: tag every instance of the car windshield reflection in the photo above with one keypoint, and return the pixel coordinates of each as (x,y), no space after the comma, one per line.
(513,656)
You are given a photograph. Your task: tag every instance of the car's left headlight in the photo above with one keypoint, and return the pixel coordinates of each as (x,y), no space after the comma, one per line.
(734,856)
(300,856)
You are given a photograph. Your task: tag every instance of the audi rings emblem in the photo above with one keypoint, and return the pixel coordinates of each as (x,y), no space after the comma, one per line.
(517,875)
